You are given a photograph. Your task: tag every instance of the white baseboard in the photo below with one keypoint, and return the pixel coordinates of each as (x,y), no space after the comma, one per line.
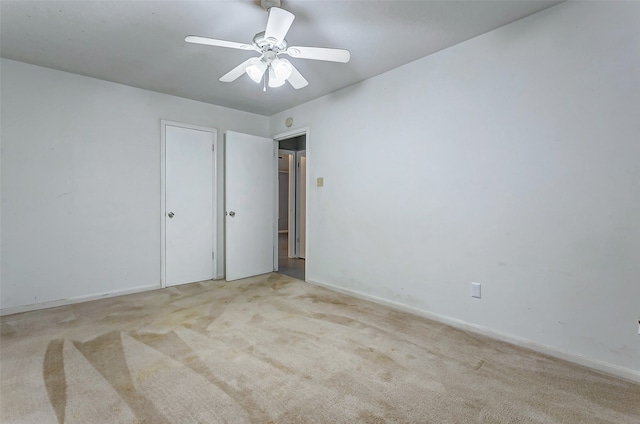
(72,300)
(615,370)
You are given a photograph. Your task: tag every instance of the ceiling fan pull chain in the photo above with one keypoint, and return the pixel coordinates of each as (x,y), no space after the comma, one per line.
(264,82)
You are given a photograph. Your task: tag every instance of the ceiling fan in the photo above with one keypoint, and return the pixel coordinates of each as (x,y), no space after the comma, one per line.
(270,43)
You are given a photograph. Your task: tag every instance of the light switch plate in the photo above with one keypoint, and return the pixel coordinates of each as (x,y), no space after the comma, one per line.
(320,182)
(475,290)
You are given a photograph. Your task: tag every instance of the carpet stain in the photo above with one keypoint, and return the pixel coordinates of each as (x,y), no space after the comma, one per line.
(278,281)
(375,356)
(324,298)
(54,379)
(369,418)
(399,320)
(256,319)
(7,330)
(105,353)
(387,376)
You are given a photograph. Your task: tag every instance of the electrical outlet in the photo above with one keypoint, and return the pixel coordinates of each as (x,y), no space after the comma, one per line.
(475,290)
(320,182)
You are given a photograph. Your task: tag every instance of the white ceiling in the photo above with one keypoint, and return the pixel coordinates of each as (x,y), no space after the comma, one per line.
(141,43)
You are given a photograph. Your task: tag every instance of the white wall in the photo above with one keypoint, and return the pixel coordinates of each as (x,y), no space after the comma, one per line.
(81,182)
(513,160)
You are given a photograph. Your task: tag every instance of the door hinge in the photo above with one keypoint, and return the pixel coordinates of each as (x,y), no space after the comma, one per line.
(213,147)
(212,255)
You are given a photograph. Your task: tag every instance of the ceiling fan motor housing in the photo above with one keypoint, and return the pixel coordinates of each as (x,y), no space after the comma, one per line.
(265,44)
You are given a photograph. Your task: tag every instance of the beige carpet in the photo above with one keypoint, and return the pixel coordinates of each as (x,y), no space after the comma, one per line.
(275,349)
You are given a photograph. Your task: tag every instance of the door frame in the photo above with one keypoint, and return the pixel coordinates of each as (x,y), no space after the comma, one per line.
(298,169)
(306,131)
(291,211)
(163,194)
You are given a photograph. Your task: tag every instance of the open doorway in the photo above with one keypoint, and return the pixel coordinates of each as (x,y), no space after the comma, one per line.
(291,206)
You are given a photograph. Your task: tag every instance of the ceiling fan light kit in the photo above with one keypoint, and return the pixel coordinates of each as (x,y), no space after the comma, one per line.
(256,70)
(281,68)
(274,81)
(271,43)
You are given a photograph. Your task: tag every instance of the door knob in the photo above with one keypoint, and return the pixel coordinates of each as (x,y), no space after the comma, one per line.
(232,214)
(170,214)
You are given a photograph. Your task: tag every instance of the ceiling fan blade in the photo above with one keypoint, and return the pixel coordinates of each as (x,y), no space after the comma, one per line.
(319,53)
(236,72)
(278,24)
(296,79)
(218,43)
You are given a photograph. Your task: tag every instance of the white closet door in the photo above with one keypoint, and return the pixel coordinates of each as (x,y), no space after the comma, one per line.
(189,224)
